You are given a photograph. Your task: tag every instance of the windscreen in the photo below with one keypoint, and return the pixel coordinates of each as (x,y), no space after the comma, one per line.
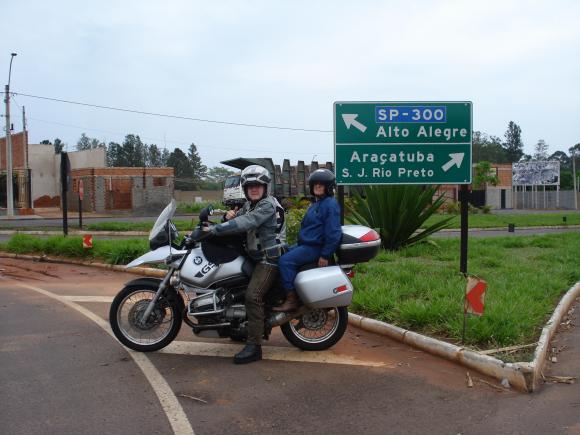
(232,181)
(166,214)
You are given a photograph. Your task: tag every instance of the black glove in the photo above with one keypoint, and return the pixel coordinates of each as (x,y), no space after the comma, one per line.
(188,242)
(203,233)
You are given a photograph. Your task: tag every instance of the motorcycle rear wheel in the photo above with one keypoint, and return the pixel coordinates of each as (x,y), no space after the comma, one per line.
(317,329)
(162,326)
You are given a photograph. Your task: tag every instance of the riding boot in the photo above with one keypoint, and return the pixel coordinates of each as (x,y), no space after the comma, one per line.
(250,353)
(290,304)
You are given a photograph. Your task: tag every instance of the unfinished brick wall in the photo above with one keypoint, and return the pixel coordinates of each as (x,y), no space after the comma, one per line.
(19,151)
(122,189)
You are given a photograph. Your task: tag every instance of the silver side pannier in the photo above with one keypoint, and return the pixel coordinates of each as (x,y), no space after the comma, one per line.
(324,287)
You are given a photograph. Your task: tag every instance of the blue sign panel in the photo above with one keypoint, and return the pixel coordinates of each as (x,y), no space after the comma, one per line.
(410,114)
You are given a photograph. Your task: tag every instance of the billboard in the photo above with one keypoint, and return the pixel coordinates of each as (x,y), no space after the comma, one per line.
(539,173)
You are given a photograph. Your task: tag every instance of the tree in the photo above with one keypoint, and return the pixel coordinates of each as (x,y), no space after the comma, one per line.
(218,174)
(182,170)
(541,150)
(484,175)
(88,143)
(198,169)
(45,142)
(58,146)
(133,151)
(488,148)
(513,142)
(164,157)
(562,157)
(115,155)
(153,156)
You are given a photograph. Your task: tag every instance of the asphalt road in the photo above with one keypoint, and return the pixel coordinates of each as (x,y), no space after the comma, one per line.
(73,220)
(62,373)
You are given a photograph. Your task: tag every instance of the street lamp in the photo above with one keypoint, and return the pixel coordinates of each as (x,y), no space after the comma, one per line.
(9,194)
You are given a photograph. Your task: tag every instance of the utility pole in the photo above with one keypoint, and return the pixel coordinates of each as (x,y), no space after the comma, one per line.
(9,187)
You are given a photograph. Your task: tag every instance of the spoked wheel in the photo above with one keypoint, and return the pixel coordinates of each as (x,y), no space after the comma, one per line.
(162,326)
(317,329)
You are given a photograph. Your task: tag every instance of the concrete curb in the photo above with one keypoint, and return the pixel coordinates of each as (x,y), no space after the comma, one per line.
(523,376)
(76,233)
(549,330)
(516,373)
(504,228)
(143,271)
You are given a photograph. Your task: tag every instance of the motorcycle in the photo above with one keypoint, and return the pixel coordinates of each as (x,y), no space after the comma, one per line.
(205,284)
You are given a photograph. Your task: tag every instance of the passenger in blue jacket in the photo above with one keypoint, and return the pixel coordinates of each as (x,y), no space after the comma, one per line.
(319,236)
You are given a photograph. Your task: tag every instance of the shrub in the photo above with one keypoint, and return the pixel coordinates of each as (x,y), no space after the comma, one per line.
(398,212)
(294,218)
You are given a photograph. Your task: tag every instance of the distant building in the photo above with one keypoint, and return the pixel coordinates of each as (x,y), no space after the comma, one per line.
(36,175)
(117,189)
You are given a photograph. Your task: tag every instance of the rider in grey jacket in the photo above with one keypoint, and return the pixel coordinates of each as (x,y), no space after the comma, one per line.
(262,219)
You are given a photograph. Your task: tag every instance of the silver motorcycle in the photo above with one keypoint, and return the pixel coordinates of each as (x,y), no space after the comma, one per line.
(205,284)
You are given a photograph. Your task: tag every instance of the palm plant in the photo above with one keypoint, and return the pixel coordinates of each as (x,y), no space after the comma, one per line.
(397,212)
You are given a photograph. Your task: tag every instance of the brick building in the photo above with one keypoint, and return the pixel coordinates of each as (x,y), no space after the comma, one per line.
(131,189)
(20,171)
(36,175)
(499,197)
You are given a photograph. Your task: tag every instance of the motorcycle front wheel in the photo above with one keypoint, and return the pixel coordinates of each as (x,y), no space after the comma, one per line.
(317,329)
(160,329)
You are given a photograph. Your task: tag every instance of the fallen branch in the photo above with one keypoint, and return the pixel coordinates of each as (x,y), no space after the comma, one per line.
(192,398)
(561,379)
(507,349)
(497,387)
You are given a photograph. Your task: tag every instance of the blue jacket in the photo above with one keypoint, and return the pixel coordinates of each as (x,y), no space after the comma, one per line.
(321,226)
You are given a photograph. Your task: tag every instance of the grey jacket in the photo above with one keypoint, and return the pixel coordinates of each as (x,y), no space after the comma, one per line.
(265,228)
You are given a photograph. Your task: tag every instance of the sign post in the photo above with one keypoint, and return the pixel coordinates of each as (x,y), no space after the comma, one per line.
(64,183)
(81,195)
(411,142)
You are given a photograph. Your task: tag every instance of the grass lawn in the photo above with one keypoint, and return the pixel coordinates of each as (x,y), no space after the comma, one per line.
(502,220)
(420,288)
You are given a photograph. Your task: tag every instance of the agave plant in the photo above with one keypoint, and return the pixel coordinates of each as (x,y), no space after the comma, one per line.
(397,212)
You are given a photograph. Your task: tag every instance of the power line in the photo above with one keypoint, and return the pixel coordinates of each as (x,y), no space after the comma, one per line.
(162,115)
(173,141)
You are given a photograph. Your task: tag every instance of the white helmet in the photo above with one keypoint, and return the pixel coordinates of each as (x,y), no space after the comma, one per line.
(255,174)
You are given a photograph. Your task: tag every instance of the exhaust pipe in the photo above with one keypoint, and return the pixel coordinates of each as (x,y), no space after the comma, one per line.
(278,319)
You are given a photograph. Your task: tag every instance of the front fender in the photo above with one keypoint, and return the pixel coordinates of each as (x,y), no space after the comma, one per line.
(153,282)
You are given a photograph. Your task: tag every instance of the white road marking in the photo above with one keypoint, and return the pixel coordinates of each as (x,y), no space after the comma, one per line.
(276,353)
(107,299)
(173,410)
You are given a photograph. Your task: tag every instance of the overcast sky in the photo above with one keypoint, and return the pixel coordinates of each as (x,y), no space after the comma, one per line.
(283,64)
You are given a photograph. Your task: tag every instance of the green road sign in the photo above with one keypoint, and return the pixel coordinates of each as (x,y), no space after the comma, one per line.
(402,142)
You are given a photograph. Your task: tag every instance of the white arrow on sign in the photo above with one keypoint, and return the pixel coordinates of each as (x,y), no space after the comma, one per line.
(350,119)
(456,159)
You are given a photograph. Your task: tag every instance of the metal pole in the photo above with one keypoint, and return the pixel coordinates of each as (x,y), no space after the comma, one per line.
(80,213)
(464,230)
(463,193)
(341,202)
(9,189)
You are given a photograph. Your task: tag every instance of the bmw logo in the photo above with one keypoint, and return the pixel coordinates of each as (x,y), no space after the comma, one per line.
(197,260)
